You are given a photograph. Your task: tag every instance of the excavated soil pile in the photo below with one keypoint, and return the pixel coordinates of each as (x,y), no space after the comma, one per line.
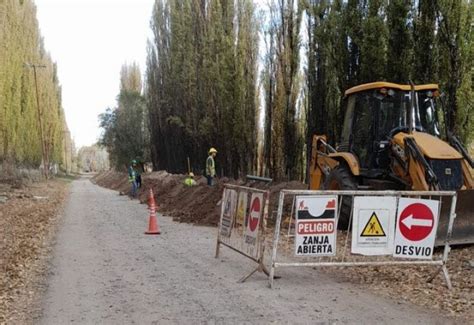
(198,204)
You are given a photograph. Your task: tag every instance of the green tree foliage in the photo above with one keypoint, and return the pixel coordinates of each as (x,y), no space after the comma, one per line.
(20,47)
(399,52)
(352,17)
(425,63)
(333,56)
(125,132)
(455,46)
(354,42)
(374,43)
(201,84)
(201,79)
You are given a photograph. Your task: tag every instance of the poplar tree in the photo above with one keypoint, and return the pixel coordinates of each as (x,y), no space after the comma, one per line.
(374,43)
(399,51)
(425,46)
(454,19)
(21,46)
(201,84)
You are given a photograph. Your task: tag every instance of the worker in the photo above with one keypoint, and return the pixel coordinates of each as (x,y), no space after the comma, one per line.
(138,173)
(189,181)
(132,177)
(211,166)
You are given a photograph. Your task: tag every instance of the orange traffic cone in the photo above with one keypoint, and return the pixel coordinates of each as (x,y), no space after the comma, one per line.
(151,200)
(153,228)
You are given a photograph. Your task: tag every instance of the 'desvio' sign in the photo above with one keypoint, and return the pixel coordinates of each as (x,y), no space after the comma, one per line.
(416,228)
(316,225)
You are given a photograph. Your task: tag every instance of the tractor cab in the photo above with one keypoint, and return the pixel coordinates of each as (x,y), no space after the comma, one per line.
(377,111)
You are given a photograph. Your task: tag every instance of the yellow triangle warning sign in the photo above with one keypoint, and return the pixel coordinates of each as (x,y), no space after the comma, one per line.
(373,228)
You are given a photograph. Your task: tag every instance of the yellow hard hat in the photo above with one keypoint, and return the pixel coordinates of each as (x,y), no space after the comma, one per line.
(191,174)
(212,150)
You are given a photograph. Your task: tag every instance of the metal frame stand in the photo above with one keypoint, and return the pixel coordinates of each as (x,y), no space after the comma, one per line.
(261,240)
(260,267)
(441,263)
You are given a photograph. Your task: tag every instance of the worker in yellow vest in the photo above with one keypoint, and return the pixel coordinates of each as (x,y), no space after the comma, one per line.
(211,166)
(189,181)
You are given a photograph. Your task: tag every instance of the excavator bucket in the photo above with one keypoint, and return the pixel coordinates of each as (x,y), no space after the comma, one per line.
(463,227)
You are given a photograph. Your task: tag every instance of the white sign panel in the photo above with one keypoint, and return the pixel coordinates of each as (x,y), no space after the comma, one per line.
(373,225)
(228,212)
(316,225)
(253,218)
(417,221)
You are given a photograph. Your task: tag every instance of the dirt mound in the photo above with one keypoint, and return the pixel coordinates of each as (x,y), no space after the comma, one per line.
(198,204)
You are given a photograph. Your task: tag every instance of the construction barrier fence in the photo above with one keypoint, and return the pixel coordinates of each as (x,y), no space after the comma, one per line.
(242,225)
(376,228)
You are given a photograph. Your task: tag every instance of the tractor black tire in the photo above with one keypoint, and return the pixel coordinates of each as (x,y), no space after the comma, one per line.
(341,179)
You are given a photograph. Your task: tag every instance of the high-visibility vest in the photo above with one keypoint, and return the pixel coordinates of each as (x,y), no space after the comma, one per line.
(131,174)
(210,166)
(189,181)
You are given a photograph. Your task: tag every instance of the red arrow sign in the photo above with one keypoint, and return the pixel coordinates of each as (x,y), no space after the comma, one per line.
(254,214)
(416,222)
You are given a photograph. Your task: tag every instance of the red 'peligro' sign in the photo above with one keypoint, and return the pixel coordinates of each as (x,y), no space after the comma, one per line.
(312,228)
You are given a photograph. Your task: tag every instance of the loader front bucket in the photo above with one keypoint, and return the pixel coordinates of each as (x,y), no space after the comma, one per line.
(463,227)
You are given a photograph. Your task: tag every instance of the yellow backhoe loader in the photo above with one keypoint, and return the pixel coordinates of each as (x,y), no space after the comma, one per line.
(392,139)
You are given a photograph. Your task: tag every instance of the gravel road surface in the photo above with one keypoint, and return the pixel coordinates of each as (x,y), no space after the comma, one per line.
(106,271)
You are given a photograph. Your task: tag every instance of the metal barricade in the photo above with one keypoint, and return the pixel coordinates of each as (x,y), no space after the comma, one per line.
(242,225)
(384,227)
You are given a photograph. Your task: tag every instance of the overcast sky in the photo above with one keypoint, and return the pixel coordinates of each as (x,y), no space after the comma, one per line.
(90,40)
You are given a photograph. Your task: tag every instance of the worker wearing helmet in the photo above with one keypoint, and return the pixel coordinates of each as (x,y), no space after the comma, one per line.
(189,181)
(211,166)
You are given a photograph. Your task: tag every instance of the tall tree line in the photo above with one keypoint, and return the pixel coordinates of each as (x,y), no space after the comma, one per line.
(396,40)
(201,84)
(21,46)
(359,41)
(258,84)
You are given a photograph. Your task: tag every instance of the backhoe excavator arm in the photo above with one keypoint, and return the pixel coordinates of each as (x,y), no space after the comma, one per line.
(320,163)
(421,173)
(324,158)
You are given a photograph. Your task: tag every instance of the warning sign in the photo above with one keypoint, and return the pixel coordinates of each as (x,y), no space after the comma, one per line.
(241,208)
(374,224)
(228,212)
(373,228)
(253,218)
(416,228)
(316,225)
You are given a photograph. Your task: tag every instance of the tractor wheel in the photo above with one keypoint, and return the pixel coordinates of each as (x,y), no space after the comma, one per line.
(340,179)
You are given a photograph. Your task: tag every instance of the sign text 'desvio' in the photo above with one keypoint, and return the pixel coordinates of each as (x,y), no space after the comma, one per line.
(417,221)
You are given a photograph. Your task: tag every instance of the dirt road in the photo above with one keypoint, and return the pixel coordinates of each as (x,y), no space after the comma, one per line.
(105,270)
